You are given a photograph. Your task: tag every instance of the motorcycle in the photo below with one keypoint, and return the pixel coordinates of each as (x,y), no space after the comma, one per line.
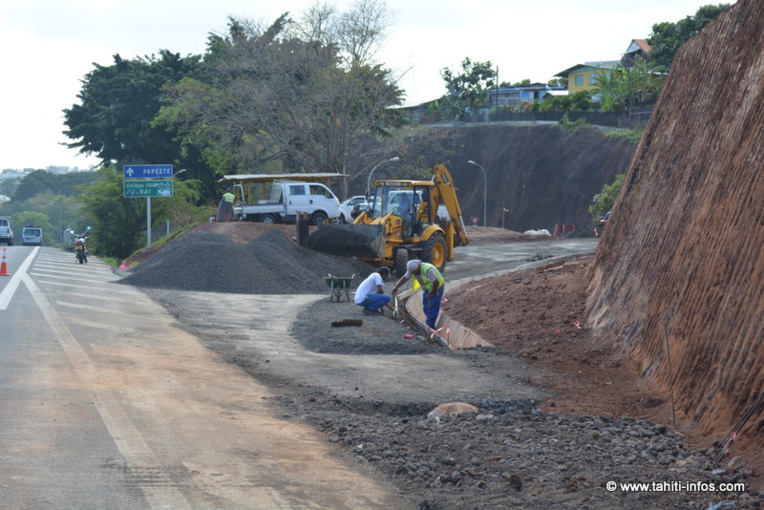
(80,246)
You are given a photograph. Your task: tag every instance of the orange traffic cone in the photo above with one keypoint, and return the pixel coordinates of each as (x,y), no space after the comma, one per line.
(4,266)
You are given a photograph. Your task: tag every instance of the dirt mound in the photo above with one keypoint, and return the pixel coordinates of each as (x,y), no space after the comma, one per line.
(539,314)
(678,276)
(268,264)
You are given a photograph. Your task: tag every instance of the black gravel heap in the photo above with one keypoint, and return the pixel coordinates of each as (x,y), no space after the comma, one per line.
(269,264)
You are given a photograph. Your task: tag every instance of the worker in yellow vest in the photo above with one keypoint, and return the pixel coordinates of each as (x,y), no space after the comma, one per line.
(427,276)
(225,207)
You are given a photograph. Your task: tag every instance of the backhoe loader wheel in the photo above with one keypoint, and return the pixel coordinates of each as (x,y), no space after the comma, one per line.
(435,251)
(401,258)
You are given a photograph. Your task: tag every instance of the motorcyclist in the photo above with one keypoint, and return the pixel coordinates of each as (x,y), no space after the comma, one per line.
(80,245)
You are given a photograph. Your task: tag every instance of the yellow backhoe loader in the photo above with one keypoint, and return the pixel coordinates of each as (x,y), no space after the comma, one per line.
(406,220)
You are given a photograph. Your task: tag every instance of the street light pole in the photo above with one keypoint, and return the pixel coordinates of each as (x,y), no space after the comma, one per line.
(60,222)
(368,183)
(485,189)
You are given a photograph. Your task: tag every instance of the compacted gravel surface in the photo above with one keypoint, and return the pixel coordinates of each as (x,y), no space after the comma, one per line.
(508,454)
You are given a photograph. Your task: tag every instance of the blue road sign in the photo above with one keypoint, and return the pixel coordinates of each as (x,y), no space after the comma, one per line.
(147,171)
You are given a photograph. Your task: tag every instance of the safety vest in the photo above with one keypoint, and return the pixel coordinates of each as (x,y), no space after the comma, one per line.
(228,197)
(424,267)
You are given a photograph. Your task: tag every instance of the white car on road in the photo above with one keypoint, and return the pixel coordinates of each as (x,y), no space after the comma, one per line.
(346,207)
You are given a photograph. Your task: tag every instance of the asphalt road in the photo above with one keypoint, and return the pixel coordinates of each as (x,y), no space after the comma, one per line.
(106,403)
(112,398)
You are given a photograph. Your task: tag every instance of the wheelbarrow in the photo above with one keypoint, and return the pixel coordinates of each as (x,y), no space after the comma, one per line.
(339,286)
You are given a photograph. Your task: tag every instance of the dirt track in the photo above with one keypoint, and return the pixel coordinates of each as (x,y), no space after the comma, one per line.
(370,391)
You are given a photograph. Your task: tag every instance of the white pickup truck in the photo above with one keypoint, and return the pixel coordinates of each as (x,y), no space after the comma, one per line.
(286,200)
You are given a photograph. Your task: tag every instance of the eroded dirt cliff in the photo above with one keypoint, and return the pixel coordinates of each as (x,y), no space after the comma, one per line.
(542,174)
(678,279)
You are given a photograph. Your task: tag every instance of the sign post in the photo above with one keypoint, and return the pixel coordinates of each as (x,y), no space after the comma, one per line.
(138,183)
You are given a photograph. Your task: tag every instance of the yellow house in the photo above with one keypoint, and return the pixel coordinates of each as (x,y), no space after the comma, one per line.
(584,76)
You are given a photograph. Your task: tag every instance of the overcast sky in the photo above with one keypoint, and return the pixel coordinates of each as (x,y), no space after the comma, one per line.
(49,45)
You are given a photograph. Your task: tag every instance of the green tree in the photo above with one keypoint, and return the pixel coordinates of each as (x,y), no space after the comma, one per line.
(119,223)
(644,79)
(269,99)
(611,88)
(624,86)
(604,200)
(118,104)
(666,37)
(42,181)
(8,186)
(581,101)
(468,89)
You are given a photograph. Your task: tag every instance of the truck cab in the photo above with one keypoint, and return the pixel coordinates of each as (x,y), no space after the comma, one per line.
(284,200)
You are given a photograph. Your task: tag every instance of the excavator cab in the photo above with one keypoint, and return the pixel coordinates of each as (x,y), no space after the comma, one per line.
(404,202)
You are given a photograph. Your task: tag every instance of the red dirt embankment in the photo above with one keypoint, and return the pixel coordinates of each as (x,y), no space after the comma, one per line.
(678,279)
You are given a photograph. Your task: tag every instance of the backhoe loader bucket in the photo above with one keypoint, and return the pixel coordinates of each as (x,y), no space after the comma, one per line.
(362,241)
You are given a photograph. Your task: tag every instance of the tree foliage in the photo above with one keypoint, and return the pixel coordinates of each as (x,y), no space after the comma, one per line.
(468,89)
(271,98)
(578,102)
(42,181)
(666,37)
(119,223)
(623,86)
(604,200)
(117,105)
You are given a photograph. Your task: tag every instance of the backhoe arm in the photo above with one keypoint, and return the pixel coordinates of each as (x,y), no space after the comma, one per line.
(444,193)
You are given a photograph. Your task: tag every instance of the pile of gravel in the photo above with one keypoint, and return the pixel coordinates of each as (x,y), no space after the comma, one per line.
(269,264)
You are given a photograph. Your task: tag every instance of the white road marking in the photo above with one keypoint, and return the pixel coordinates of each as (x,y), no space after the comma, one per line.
(45,273)
(7,294)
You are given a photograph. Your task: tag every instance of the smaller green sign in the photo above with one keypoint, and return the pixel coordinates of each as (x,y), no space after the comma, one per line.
(157,188)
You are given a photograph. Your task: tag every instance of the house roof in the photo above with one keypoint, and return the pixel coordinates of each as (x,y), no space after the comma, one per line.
(520,88)
(639,45)
(589,66)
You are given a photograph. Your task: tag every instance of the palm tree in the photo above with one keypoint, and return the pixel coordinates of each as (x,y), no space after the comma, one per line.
(612,89)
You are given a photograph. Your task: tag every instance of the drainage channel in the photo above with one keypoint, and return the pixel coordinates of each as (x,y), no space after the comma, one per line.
(449,333)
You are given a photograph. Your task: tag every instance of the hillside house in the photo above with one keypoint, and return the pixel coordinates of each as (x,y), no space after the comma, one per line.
(639,48)
(583,77)
(515,96)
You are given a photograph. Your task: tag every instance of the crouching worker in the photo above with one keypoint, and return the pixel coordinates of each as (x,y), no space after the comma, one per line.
(371,293)
(427,276)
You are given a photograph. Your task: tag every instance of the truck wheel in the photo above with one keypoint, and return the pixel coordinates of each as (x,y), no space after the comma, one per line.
(268,218)
(436,251)
(401,258)
(318,218)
